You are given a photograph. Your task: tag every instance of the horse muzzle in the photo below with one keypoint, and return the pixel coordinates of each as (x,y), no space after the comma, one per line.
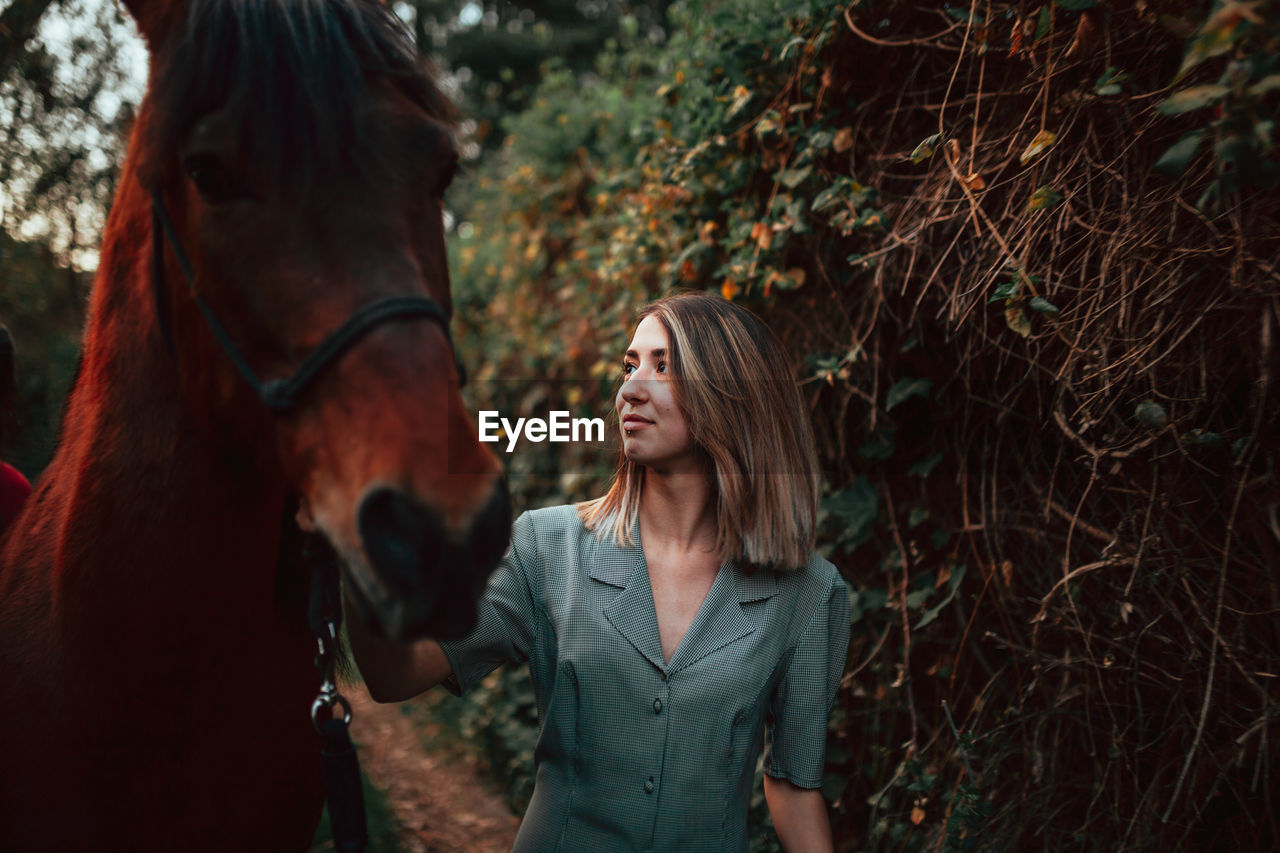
(426,579)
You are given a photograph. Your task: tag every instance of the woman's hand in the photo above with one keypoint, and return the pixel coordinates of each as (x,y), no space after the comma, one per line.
(394,671)
(799,815)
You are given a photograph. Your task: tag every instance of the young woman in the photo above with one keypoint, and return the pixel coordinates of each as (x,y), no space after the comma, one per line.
(670,623)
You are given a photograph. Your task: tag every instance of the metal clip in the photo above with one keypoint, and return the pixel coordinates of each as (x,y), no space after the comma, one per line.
(329,698)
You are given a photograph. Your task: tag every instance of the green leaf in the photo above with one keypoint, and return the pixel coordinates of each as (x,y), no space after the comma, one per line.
(1220,34)
(917,598)
(953,584)
(1044,198)
(904,389)
(865,601)
(1179,156)
(1005,291)
(1044,23)
(795,42)
(879,448)
(792,178)
(1044,306)
(1267,84)
(1194,98)
(962,15)
(1075,5)
(828,197)
(918,515)
(1109,82)
(856,506)
(926,465)
(925,149)
(1201,437)
(1151,414)
(821,140)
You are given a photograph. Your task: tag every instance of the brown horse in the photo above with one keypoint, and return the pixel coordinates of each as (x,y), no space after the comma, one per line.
(284,176)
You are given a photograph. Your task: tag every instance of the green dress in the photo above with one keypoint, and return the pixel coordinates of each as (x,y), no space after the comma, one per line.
(636,753)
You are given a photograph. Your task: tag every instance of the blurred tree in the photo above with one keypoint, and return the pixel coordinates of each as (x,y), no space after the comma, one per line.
(497,51)
(66,100)
(70,72)
(17,25)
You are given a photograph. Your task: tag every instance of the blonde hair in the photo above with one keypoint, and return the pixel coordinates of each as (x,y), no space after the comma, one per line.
(737,394)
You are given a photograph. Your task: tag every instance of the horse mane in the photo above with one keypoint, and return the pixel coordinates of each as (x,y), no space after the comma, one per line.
(297,77)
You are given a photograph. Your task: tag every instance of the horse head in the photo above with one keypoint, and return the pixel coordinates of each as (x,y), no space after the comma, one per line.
(294,156)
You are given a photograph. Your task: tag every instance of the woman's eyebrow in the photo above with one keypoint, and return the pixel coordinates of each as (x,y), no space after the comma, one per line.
(657,353)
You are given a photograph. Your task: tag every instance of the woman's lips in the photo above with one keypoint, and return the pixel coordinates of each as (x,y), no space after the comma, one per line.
(635,422)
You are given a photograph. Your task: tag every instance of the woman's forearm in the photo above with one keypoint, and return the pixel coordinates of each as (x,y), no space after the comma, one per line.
(799,816)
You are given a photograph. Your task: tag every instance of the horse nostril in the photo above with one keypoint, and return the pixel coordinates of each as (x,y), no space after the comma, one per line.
(400,537)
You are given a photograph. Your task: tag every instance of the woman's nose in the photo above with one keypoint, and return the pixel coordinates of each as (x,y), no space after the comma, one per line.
(633,391)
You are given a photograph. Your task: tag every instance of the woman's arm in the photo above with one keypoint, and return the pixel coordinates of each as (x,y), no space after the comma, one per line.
(395,671)
(799,815)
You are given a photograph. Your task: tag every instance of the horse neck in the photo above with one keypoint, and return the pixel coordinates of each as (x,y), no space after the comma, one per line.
(147,492)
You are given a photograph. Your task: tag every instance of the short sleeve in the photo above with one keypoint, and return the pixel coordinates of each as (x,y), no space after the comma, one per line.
(806,692)
(505,617)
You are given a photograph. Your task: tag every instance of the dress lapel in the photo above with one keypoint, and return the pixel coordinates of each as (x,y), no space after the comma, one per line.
(722,619)
(632,611)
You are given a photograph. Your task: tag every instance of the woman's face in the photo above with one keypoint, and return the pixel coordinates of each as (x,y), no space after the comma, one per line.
(654,431)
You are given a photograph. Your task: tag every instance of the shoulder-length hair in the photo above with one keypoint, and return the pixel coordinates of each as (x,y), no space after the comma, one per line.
(737,393)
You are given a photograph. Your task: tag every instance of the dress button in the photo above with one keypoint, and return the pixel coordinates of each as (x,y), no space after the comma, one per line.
(657,706)
(648,786)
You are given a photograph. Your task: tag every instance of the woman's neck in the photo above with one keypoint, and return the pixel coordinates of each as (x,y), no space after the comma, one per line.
(676,512)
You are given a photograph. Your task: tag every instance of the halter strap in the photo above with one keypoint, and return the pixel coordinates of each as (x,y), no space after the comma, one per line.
(281,395)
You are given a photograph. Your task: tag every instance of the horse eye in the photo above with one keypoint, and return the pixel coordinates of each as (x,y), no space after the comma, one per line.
(210,178)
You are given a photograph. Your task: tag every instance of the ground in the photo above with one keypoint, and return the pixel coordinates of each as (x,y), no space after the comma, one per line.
(442,804)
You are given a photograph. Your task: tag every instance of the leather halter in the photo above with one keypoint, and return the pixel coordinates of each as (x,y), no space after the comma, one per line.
(281,395)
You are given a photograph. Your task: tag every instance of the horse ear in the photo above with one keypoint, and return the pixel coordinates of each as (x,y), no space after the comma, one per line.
(155,18)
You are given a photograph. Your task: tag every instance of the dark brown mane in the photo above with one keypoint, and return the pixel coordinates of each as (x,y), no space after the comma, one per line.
(298,78)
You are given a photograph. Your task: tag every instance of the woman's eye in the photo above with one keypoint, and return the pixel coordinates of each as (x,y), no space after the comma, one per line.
(662,367)
(628,368)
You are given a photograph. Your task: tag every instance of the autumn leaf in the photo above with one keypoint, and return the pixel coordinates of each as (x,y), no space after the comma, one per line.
(1044,198)
(843,140)
(762,235)
(1043,141)
(729,289)
(1017,320)
(925,149)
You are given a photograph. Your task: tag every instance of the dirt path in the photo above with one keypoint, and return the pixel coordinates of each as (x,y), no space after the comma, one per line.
(441,803)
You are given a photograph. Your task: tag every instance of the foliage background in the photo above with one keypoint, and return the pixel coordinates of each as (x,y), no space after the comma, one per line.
(1024,255)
